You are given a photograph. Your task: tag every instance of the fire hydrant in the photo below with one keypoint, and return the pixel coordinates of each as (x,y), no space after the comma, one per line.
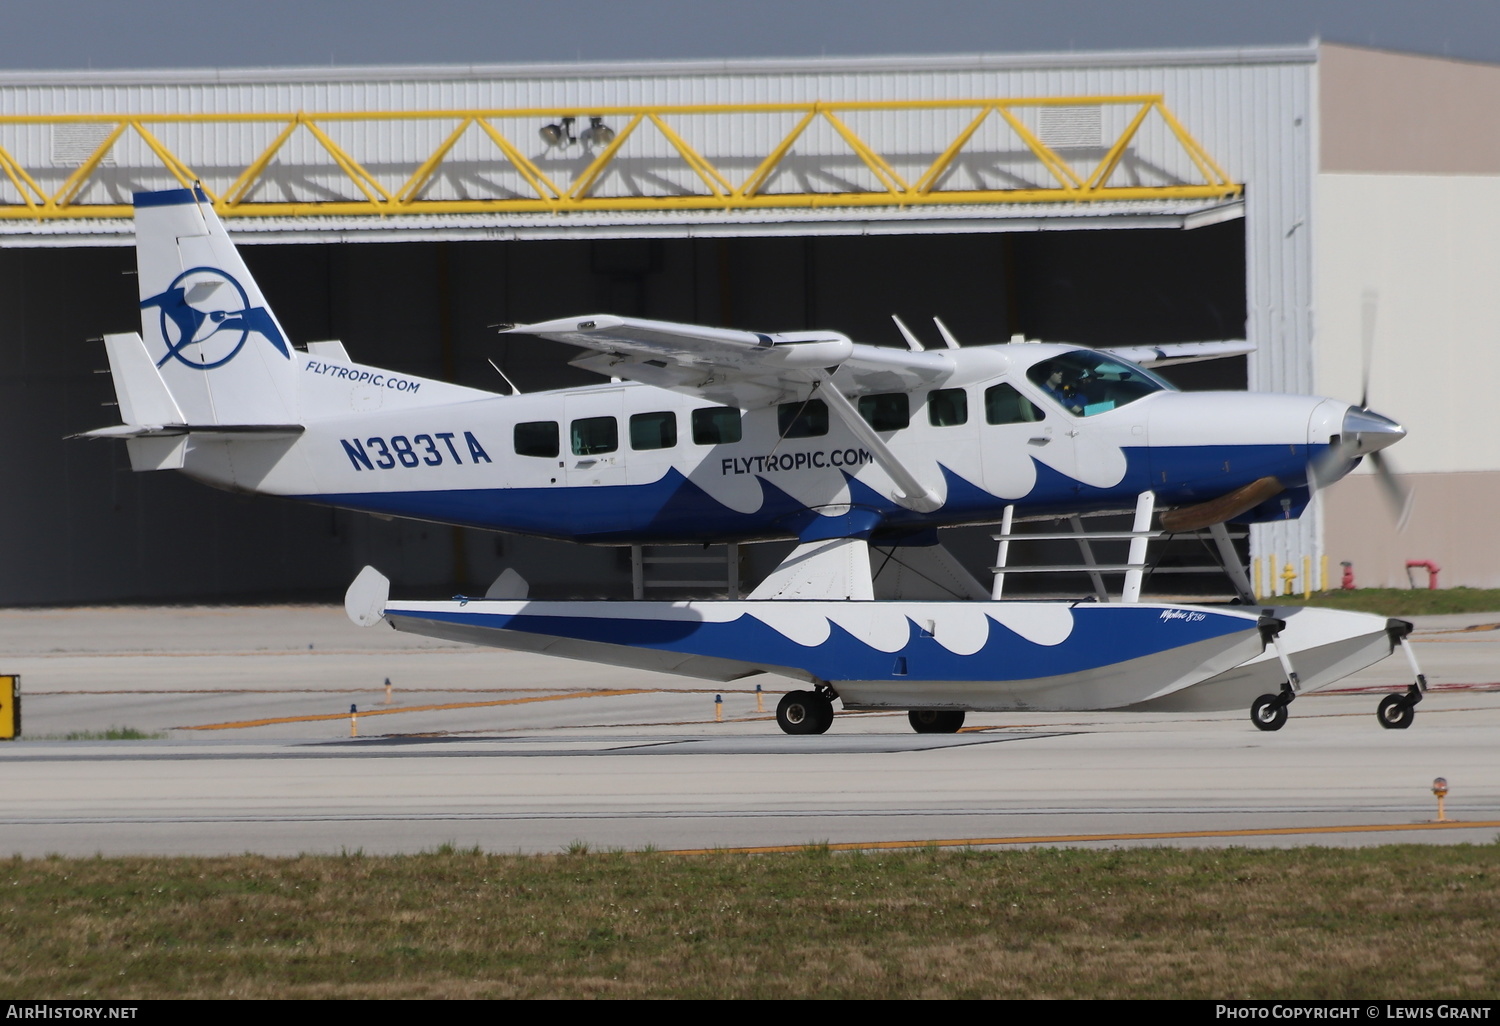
(1348,581)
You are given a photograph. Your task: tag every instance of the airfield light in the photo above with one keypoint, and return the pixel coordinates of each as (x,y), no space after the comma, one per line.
(1440,788)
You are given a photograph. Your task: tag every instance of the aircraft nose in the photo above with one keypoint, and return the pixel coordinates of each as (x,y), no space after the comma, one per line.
(1365,432)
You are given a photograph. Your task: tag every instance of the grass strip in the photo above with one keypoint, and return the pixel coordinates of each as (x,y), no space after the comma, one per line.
(1401,601)
(107,734)
(1381,922)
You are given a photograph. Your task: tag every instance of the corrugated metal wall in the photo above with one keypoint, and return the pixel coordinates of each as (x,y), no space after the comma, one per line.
(1231,102)
(1254,111)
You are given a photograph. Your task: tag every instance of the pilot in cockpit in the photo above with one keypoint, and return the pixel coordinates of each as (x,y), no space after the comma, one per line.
(1067,385)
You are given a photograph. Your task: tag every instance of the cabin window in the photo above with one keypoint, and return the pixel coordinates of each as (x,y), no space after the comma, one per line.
(653,430)
(537,438)
(716,425)
(947,407)
(1004,405)
(802,420)
(889,411)
(1085,383)
(595,435)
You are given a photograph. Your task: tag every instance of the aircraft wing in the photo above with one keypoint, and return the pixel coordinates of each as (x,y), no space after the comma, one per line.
(747,369)
(1180,352)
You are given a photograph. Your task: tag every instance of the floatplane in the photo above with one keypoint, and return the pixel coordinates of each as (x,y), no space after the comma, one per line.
(857,453)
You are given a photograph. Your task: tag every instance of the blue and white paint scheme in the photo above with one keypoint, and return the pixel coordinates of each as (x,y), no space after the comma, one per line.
(891,441)
(873,655)
(709,434)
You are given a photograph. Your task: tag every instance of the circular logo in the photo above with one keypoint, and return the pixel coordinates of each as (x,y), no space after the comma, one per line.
(204,318)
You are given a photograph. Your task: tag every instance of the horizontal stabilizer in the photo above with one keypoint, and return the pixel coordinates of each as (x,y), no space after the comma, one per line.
(173,430)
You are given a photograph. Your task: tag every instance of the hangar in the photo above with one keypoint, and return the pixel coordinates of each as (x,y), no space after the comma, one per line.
(1288,196)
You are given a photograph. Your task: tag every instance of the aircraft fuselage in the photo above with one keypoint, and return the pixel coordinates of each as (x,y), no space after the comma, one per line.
(628,463)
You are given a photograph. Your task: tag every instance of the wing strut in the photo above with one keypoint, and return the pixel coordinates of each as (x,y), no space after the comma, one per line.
(1232,565)
(1145,506)
(912,493)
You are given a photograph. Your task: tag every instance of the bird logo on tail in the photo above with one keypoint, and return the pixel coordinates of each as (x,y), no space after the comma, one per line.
(206,318)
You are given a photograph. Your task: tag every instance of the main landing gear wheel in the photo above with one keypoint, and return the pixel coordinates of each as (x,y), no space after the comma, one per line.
(936,721)
(804,712)
(1268,712)
(1396,712)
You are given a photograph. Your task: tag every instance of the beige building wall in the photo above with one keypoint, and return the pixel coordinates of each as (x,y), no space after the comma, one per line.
(1407,226)
(1393,113)
(1453,524)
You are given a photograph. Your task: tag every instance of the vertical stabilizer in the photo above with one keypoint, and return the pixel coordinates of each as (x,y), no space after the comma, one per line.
(206,326)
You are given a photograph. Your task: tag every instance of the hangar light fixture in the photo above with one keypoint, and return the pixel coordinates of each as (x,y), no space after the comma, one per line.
(558,134)
(597,134)
(561,134)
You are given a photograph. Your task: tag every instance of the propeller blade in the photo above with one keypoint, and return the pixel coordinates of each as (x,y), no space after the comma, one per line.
(1398,495)
(1367,343)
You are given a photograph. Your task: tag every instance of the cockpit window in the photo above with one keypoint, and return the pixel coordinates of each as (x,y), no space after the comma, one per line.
(1086,383)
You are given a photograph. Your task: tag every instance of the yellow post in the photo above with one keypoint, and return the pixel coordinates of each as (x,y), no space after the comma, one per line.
(1440,788)
(1323,574)
(353,722)
(760,699)
(388,691)
(718,708)
(10,706)
(1307,577)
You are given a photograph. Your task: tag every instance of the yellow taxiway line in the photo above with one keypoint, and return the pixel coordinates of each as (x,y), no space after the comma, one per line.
(1168,835)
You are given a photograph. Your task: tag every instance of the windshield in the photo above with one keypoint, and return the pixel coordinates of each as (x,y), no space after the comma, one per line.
(1085,383)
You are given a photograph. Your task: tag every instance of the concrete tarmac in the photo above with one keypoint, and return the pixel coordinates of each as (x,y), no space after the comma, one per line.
(516,752)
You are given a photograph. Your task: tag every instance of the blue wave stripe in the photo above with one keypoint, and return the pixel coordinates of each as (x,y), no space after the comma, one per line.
(1102,636)
(674,508)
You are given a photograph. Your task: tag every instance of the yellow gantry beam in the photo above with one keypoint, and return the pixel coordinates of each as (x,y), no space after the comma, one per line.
(1058,179)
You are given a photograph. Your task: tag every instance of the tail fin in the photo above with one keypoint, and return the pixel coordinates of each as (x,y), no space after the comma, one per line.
(207,328)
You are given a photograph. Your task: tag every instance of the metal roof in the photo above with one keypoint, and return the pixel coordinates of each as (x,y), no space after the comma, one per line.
(382,130)
(1212,56)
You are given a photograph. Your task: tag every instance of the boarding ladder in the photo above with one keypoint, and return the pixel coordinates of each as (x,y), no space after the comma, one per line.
(1135,568)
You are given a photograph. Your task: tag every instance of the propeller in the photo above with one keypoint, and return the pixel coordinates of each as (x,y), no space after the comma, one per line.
(1367,310)
(1365,433)
(1397,495)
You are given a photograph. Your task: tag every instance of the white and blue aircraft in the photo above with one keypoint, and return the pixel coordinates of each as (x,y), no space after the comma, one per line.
(709,434)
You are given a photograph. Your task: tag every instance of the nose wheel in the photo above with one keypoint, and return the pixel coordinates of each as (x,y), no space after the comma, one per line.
(1268,712)
(1396,712)
(804,712)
